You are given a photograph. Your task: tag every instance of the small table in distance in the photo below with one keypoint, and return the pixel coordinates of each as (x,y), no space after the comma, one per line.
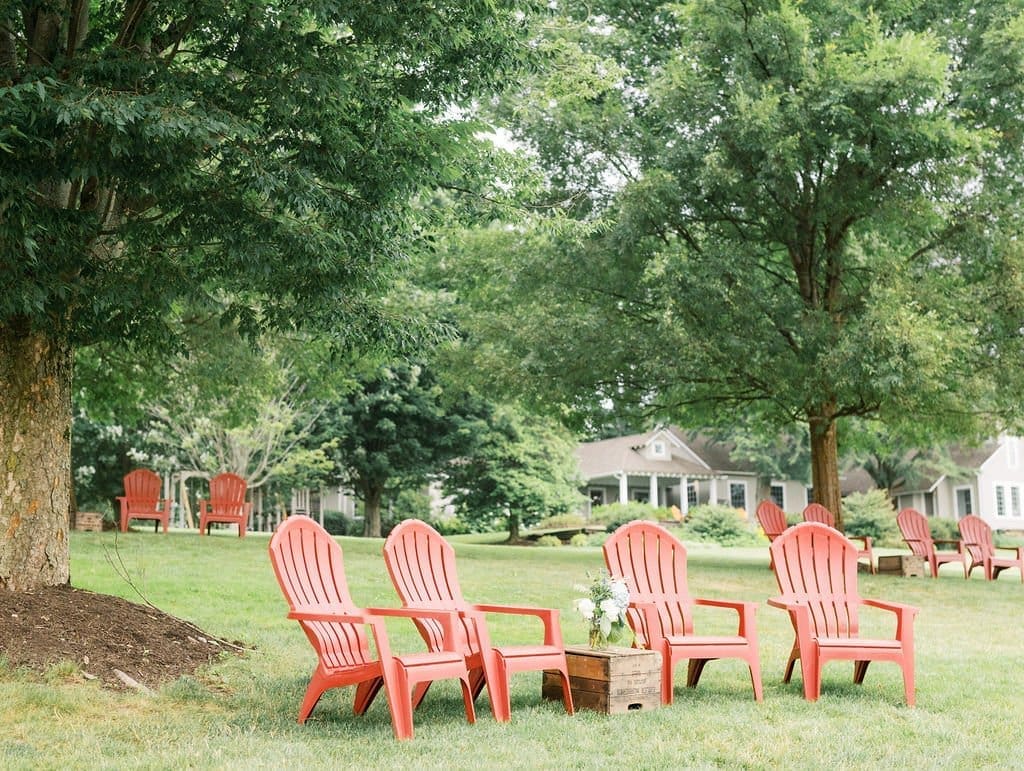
(613,680)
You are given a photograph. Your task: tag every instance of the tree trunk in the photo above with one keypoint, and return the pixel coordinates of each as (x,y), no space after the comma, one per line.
(513,527)
(825,464)
(35,465)
(372,496)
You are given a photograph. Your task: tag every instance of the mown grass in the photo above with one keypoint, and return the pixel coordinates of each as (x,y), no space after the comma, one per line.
(241,712)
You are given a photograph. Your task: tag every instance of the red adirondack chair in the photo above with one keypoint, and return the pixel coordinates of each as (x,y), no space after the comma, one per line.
(141,499)
(422,568)
(918,536)
(226,504)
(815,512)
(816,568)
(309,567)
(977,538)
(653,563)
(772,520)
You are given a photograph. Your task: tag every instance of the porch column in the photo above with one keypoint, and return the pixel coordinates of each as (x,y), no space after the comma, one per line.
(623,488)
(654,490)
(684,495)
(713,491)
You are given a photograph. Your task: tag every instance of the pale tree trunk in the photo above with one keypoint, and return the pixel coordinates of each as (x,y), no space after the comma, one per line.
(372,496)
(825,463)
(35,459)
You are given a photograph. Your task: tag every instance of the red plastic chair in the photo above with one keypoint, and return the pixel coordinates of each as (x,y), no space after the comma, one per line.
(918,536)
(309,567)
(772,520)
(141,499)
(653,563)
(815,512)
(226,504)
(422,568)
(816,568)
(977,538)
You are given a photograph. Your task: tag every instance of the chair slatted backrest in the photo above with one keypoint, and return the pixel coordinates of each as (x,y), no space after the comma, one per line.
(310,569)
(653,562)
(771,518)
(227,494)
(915,531)
(142,489)
(815,512)
(816,565)
(421,564)
(977,537)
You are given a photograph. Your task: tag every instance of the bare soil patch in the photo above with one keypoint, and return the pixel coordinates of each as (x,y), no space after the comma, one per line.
(102,634)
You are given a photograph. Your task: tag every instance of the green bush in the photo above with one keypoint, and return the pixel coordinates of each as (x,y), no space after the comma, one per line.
(337,523)
(720,524)
(548,540)
(614,514)
(871,514)
(580,539)
(944,528)
(568,519)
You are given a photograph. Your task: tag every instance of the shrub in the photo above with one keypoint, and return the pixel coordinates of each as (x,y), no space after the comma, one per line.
(944,528)
(337,523)
(569,519)
(614,514)
(580,539)
(720,524)
(549,540)
(871,514)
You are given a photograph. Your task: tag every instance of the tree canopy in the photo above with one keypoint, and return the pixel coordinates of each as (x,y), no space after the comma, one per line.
(256,157)
(800,213)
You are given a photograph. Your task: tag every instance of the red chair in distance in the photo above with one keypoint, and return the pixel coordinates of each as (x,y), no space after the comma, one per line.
(815,512)
(310,570)
(422,568)
(816,569)
(918,536)
(141,499)
(653,563)
(226,504)
(772,519)
(977,538)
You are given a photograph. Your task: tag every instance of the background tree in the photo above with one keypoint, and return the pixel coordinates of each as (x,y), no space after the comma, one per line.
(394,430)
(523,469)
(803,217)
(257,155)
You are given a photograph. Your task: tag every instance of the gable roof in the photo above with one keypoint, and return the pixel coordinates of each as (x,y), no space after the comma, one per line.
(691,455)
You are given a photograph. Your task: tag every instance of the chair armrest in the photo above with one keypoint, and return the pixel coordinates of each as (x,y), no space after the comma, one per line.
(454,634)
(1018,549)
(800,615)
(904,618)
(549,617)
(864,539)
(895,607)
(947,540)
(652,623)
(745,610)
(330,616)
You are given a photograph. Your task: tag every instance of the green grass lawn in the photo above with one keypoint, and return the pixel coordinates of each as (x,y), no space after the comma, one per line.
(241,713)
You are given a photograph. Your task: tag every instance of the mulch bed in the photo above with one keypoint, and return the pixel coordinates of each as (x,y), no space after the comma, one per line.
(104,635)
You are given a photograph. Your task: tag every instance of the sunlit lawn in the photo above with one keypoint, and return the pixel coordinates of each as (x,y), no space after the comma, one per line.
(241,713)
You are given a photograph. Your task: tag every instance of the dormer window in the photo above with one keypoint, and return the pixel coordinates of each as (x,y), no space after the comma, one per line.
(659,449)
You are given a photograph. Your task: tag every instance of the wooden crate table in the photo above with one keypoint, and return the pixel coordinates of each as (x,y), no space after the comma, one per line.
(89,521)
(902,565)
(613,680)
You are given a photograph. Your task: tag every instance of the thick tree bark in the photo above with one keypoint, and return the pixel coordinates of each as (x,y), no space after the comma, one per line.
(35,465)
(513,527)
(825,463)
(372,497)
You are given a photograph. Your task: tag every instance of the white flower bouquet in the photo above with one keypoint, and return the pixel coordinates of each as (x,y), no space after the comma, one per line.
(604,608)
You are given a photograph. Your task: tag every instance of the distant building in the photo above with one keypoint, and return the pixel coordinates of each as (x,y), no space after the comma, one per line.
(668,467)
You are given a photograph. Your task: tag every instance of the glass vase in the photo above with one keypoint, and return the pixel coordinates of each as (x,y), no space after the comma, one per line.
(598,642)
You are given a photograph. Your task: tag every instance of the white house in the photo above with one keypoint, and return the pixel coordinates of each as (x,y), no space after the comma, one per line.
(656,467)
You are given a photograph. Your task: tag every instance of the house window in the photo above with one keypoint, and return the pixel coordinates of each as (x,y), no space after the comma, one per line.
(964,504)
(738,495)
(691,495)
(641,496)
(1009,501)
(1014,501)
(810,494)
(596,495)
(658,450)
(1000,501)
(778,496)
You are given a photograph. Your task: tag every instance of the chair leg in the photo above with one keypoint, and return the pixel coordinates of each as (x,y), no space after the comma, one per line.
(860,668)
(563,673)
(419,691)
(467,699)
(811,670)
(667,679)
(500,691)
(315,689)
(908,682)
(366,691)
(754,663)
(477,681)
(694,671)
